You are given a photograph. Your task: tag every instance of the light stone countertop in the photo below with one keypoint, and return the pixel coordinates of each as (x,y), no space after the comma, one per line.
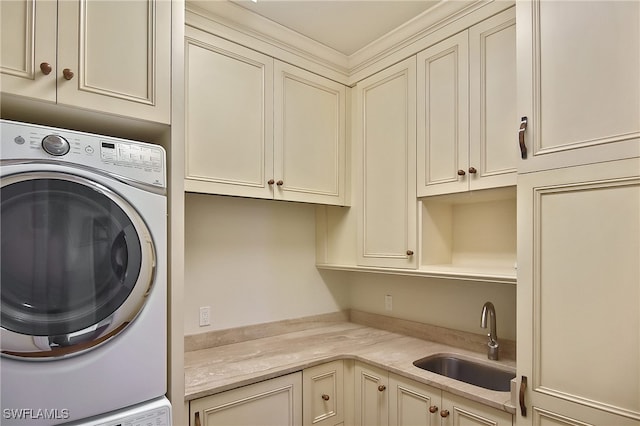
(217,369)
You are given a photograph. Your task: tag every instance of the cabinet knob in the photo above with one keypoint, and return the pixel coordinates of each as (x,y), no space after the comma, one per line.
(409,252)
(271,181)
(472,170)
(197,419)
(67,74)
(461,172)
(382,388)
(444,413)
(280,183)
(325,397)
(45,67)
(433,409)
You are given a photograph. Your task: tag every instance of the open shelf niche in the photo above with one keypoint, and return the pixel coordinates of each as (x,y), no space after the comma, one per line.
(472,234)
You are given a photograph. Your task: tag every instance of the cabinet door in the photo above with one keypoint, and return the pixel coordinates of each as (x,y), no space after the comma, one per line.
(579,288)
(28,39)
(387,172)
(309,136)
(578,67)
(275,402)
(461,411)
(120,57)
(493,148)
(229,122)
(371,396)
(443,117)
(323,394)
(412,403)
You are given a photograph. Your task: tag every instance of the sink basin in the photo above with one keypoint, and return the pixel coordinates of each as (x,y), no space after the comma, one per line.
(467,371)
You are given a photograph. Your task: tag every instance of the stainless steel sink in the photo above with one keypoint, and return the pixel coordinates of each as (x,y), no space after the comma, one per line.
(467,371)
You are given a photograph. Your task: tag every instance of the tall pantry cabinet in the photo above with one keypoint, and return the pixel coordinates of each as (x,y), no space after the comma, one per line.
(579,213)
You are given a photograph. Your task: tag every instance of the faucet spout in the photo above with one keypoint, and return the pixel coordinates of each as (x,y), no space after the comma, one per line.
(489,312)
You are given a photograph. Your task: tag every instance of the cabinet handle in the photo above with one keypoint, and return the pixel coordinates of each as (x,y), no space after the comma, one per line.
(409,252)
(444,413)
(523,146)
(45,67)
(523,388)
(280,183)
(461,172)
(472,170)
(197,419)
(325,396)
(67,74)
(433,409)
(382,388)
(271,181)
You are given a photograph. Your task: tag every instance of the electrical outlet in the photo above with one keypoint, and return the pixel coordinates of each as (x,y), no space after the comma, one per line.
(388,303)
(205,318)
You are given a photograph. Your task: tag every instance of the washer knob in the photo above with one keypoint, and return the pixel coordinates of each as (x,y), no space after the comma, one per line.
(55,145)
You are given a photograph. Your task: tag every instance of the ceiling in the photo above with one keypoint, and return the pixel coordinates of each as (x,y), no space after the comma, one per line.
(343,25)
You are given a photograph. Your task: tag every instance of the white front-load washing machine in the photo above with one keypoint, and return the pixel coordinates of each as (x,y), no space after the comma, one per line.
(83,286)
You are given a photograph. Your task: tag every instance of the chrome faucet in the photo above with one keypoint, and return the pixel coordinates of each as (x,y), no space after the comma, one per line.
(492,345)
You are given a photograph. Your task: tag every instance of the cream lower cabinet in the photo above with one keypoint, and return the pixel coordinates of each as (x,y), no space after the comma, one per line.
(323,394)
(579,288)
(578,88)
(112,57)
(383,398)
(257,127)
(275,402)
(467,109)
(386,138)
(371,404)
(412,404)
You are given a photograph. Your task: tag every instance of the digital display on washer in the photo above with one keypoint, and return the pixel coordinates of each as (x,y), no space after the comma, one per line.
(108,145)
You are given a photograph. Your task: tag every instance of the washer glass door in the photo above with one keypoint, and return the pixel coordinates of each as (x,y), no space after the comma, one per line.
(77,264)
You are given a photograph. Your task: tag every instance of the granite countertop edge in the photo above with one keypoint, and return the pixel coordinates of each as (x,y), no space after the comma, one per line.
(221,368)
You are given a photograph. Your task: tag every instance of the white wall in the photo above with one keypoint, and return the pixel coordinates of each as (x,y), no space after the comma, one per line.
(253,261)
(446,303)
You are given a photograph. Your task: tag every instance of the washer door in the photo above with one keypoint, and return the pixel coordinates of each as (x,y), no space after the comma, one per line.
(77,264)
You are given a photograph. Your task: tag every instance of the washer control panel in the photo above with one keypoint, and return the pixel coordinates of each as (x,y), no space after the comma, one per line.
(139,161)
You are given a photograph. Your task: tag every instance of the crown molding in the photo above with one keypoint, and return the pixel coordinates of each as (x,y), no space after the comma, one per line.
(235,23)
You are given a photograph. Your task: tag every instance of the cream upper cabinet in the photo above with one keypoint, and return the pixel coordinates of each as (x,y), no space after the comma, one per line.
(275,402)
(309,137)
(112,57)
(467,109)
(578,85)
(385,134)
(323,394)
(257,127)
(579,294)
(443,117)
(229,124)
(493,118)
(28,57)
